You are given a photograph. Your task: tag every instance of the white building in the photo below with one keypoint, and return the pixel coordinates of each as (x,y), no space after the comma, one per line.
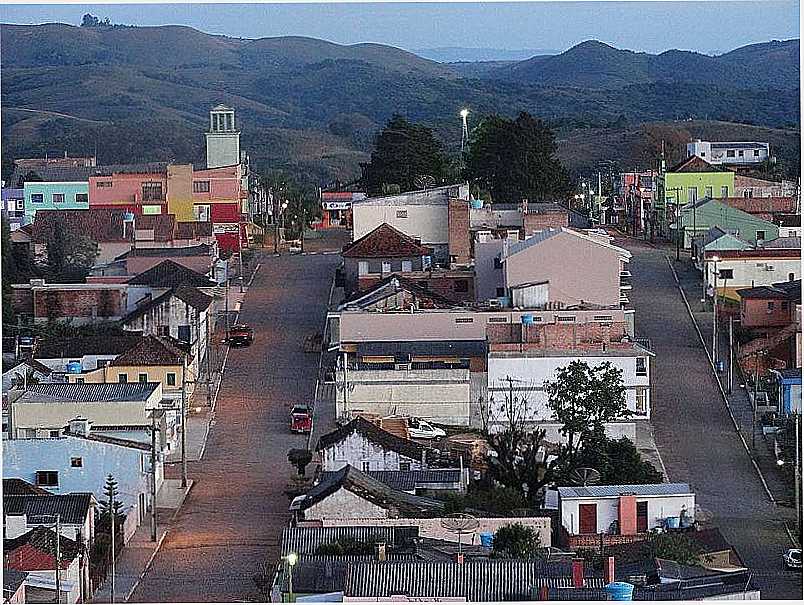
(754,267)
(223,138)
(624,509)
(729,152)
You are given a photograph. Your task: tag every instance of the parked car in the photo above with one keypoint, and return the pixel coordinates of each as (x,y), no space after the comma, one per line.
(419,429)
(301,419)
(241,335)
(792,558)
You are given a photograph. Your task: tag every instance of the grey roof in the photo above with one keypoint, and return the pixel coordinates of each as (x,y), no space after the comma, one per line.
(13,486)
(108,341)
(467,348)
(88,392)
(533,240)
(369,430)
(436,196)
(108,439)
(199,250)
(476,580)
(12,580)
(392,285)
(407,481)
(307,540)
(784,242)
(737,145)
(169,274)
(40,508)
(611,491)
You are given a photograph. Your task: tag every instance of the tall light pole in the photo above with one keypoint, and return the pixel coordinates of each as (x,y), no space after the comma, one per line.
(715,260)
(291,559)
(464,130)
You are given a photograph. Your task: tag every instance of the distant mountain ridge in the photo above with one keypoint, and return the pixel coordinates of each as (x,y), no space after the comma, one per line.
(460,54)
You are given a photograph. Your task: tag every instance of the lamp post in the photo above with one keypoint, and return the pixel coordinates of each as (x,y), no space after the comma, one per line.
(464,131)
(291,559)
(715,260)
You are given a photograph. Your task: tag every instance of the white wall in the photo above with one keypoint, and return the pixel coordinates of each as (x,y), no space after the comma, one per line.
(343,504)
(428,222)
(357,450)
(659,508)
(751,272)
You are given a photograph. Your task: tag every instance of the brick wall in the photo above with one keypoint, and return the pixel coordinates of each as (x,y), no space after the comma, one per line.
(594,540)
(74,303)
(538,221)
(559,336)
(456,287)
(459,231)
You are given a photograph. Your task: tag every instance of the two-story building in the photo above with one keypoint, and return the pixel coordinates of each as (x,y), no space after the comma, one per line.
(41,195)
(698,217)
(731,153)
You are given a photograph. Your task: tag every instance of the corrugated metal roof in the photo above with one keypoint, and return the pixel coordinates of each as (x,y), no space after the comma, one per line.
(407,481)
(40,508)
(436,348)
(307,540)
(88,392)
(611,491)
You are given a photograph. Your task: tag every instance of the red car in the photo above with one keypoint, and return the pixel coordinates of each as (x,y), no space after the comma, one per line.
(241,335)
(301,419)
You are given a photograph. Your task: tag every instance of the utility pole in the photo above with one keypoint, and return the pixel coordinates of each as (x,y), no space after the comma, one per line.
(111,555)
(226,304)
(731,354)
(209,359)
(153,475)
(714,316)
(754,407)
(58,558)
(797,473)
(184,421)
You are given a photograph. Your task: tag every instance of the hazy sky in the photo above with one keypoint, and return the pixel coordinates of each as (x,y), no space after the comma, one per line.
(710,27)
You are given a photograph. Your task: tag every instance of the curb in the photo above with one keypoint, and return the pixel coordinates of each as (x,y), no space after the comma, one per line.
(147,565)
(719,384)
(320,363)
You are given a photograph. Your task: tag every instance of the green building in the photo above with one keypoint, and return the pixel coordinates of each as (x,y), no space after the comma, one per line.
(699,217)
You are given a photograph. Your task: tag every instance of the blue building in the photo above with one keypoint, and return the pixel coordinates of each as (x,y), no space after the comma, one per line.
(789,382)
(55,195)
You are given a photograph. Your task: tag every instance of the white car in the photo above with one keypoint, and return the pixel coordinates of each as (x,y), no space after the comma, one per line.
(792,558)
(419,429)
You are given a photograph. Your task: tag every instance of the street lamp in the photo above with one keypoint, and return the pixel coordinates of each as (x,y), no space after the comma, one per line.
(715,260)
(464,130)
(291,559)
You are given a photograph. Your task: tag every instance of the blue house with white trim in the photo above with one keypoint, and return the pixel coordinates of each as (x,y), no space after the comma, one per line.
(789,382)
(55,195)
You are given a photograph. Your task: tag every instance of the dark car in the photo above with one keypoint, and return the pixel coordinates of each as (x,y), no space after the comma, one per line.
(241,335)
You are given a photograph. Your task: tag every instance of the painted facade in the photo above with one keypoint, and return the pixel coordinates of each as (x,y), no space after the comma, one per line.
(698,219)
(364,454)
(40,195)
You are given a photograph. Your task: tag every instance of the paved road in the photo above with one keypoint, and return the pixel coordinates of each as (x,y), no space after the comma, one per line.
(232,520)
(696,438)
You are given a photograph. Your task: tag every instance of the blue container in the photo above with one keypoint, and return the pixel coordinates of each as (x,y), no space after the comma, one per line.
(620,591)
(527,320)
(487,540)
(476,204)
(721,366)
(74,367)
(672,522)
(128,216)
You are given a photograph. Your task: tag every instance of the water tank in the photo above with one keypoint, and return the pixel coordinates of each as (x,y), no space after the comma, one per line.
(527,320)
(487,539)
(128,216)
(74,367)
(476,204)
(620,591)
(672,522)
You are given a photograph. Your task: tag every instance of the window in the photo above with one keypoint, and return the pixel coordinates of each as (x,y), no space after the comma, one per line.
(152,191)
(77,462)
(692,194)
(464,320)
(37,198)
(756,153)
(760,234)
(703,154)
(143,377)
(748,193)
(497,262)
(47,478)
(709,192)
(200,186)
(20,204)
(730,153)
(791,277)
(404,466)
(81,198)
(462,285)
(603,318)
(54,434)
(366,466)
(79,381)
(201,213)
(642,401)
(407,266)
(58,198)
(122,378)
(103,184)
(184,334)
(565,319)
(741,153)
(171,379)
(498,320)
(726,274)
(362,267)
(386,267)
(401,214)
(771,306)
(641,366)
(724,191)
(500,292)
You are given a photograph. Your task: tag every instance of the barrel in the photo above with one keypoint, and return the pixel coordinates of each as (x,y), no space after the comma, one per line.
(672,522)
(527,320)
(620,591)
(74,367)
(487,539)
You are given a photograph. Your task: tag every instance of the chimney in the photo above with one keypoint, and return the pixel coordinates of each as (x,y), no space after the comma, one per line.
(577,573)
(381,551)
(608,570)
(80,426)
(15,525)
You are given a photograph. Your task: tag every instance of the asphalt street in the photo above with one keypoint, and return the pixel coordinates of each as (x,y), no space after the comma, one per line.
(697,440)
(232,520)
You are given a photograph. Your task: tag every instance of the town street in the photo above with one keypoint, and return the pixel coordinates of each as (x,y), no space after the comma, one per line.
(232,520)
(694,433)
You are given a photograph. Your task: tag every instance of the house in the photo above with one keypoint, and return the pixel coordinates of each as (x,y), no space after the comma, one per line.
(732,153)
(750,187)
(45,409)
(522,358)
(13,207)
(58,195)
(81,304)
(26,371)
(76,515)
(766,208)
(351,494)
(420,482)
(633,200)
(557,266)
(437,217)
(758,266)
(769,308)
(80,460)
(86,351)
(789,384)
(14,586)
(169,274)
(697,218)
(35,553)
(615,514)
(364,445)
(199,258)
(336,207)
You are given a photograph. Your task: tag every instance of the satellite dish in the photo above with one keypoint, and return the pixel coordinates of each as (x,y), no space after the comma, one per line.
(424,181)
(585,476)
(460,523)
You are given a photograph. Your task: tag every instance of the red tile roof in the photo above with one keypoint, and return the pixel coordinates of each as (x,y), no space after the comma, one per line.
(152,351)
(762,205)
(99,224)
(696,164)
(385,242)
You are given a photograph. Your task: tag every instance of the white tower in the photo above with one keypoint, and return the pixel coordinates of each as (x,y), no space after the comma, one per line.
(464,130)
(223,139)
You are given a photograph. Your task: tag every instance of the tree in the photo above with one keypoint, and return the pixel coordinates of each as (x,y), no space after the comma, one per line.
(348,546)
(300,458)
(9,271)
(583,399)
(110,492)
(678,547)
(70,254)
(515,160)
(403,153)
(516,541)
(90,21)
(618,461)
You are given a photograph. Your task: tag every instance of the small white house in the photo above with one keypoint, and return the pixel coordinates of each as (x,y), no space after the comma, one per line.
(24,372)
(624,509)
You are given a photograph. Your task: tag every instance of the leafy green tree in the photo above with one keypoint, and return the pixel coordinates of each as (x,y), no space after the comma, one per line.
(487,498)
(70,254)
(9,271)
(583,399)
(516,541)
(515,160)
(403,153)
(618,461)
(90,21)
(674,546)
(110,492)
(300,458)
(347,546)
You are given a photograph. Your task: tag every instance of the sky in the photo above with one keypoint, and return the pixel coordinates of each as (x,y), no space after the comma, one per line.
(710,27)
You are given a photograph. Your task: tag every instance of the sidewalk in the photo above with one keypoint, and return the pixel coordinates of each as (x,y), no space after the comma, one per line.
(759,446)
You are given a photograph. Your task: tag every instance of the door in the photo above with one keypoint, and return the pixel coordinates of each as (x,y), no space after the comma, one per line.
(587,518)
(642,517)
